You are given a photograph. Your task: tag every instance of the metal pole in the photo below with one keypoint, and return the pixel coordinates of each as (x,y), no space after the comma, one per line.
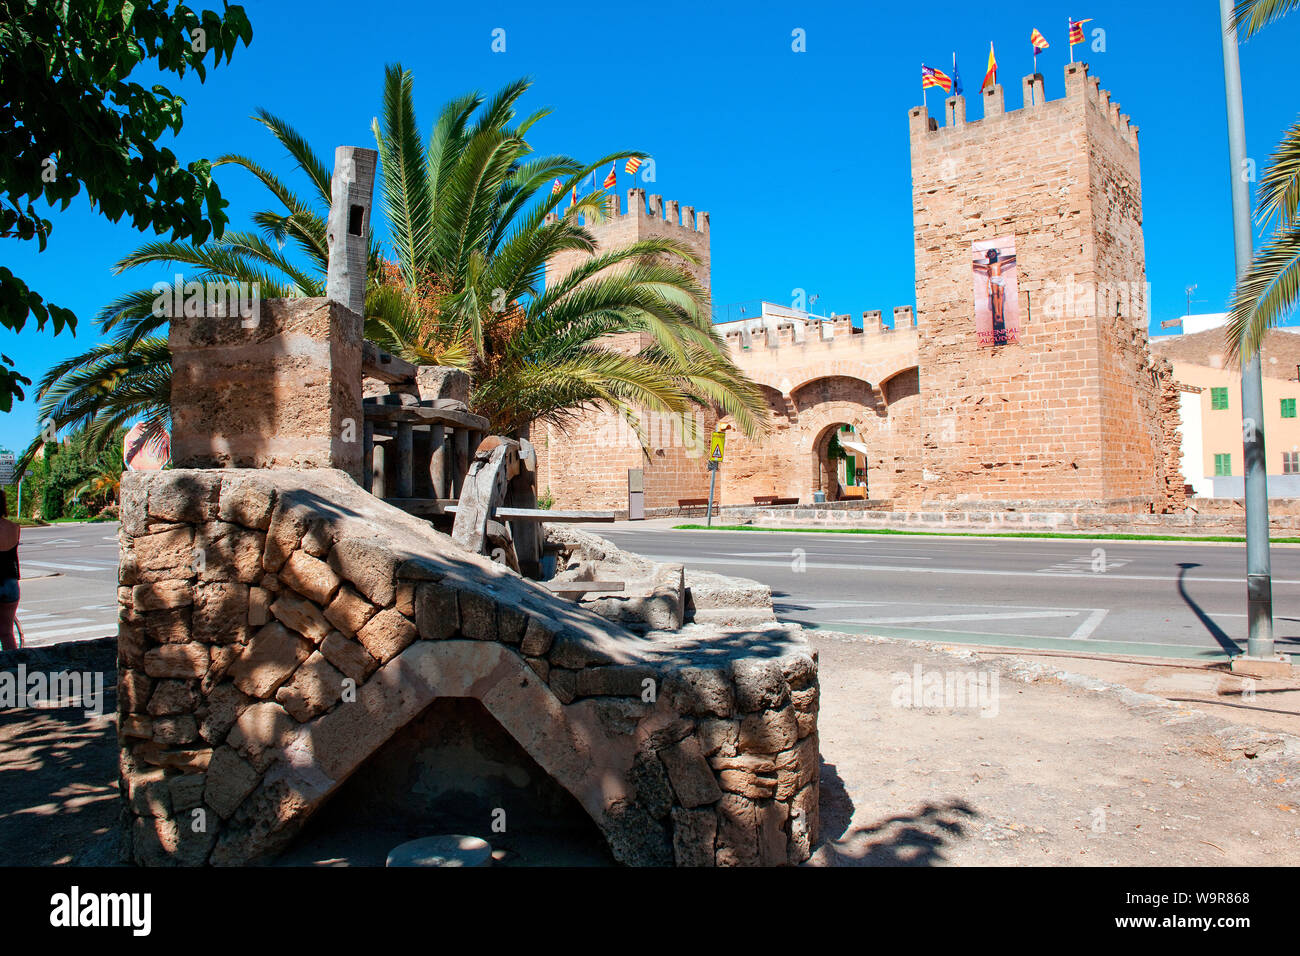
(1259,587)
(713,478)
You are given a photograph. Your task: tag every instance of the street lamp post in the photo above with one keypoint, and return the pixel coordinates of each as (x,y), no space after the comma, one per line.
(1259,588)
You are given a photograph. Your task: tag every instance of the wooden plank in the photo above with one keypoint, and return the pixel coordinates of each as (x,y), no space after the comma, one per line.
(379,365)
(582,587)
(424,507)
(424,415)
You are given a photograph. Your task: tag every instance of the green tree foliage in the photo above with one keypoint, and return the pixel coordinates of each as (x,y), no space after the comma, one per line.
(70,119)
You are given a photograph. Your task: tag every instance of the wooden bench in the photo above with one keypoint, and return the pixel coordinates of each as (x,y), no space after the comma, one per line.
(687,505)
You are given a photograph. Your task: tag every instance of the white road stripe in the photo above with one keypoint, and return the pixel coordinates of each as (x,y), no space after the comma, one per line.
(107,628)
(23,619)
(1090,624)
(65,567)
(996,616)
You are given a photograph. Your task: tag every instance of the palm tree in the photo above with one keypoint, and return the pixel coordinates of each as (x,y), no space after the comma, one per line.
(105,482)
(1270,290)
(475,222)
(472,238)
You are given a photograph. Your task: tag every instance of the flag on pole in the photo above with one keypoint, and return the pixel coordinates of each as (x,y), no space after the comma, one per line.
(612,179)
(991,75)
(1039,41)
(632,166)
(573,199)
(956,78)
(555,187)
(930,77)
(1076,31)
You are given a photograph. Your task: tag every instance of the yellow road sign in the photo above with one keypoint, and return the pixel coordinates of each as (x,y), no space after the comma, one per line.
(717,445)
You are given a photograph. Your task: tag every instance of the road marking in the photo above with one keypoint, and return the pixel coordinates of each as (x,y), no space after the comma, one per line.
(1090,624)
(995,616)
(1005,574)
(107,628)
(66,567)
(59,622)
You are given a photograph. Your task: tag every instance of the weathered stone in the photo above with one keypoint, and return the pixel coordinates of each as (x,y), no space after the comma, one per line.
(165,841)
(310,577)
(759,684)
(651,783)
(511,622)
(173,697)
(315,688)
(136,725)
(229,552)
(230,780)
(134,689)
(349,611)
(162,594)
(302,616)
(173,625)
(750,763)
(187,790)
(613,681)
(175,730)
(167,554)
(222,707)
(386,635)
(670,733)
(148,793)
(694,833)
(797,768)
(436,614)
(318,538)
(368,565)
(768,732)
(563,683)
(177,660)
(131,645)
(737,838)
(348,656)
(538,634)
(222,656)
(719,737)
(805,703)
(539,666)
(747,784)
(773,848)
(405,600)
(179,758)
(805,822)
(702,690)
(259,606)
(245,500)
(272,654)
(478,616)
(799,670)
(635,838)
(183,496)
(221,612)
(284,533)
(261,732)
(689,772)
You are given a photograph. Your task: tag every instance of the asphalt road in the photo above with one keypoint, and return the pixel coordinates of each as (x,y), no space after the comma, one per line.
(69,586)
(1164,599)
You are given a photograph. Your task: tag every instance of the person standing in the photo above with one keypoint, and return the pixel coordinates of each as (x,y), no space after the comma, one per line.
(10,534)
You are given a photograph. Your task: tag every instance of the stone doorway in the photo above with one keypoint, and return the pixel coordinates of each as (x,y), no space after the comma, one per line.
(840,466)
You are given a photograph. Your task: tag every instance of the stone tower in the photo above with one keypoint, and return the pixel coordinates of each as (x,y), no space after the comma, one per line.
(587,462)
(1070,408)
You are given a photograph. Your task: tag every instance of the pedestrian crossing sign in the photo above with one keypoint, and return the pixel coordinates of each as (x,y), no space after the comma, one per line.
(716,446)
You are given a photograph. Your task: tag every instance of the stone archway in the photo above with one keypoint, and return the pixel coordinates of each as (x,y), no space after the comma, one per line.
(832,473)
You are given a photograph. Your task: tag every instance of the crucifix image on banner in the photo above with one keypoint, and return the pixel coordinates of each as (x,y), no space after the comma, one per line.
(997,301)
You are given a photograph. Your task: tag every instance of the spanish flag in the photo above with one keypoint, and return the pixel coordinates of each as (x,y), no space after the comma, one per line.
(1076,31)
(573,201)
(612,179)
(930,77)
(632,166)
(991,75)
(1039,41)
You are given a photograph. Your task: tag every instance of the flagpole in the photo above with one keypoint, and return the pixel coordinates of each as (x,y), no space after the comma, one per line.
(1069,36)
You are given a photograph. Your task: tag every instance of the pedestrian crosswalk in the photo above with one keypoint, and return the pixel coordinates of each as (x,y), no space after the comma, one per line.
(40,628)
(81,564)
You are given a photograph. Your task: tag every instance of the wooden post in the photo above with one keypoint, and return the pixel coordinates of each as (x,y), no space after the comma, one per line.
(460,466)
(368,455)
(438,459)
(404,453)
(348,231)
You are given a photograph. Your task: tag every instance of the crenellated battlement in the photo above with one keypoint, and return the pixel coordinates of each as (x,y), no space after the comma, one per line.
(1079,87)
(653,209)
(827,332)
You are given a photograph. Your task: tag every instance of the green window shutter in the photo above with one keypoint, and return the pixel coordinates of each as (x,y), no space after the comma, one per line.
(1222,466)
(1218,399)
(1288,408)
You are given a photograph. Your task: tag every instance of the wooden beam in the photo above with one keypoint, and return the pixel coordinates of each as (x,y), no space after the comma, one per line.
(424,415)
(424,506)
(582,587)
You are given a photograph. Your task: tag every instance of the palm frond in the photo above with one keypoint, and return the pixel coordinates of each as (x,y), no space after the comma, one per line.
(1265,295)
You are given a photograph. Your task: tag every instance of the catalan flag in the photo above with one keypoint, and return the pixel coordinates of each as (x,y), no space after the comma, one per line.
(612,179)
(930,77)
(632,166)
(990,75)
(555,187)
(1076,31)
(1039,41)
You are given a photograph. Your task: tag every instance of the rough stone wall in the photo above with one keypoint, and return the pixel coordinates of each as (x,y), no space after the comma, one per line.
(284,393)
(279,627)
(1059,414)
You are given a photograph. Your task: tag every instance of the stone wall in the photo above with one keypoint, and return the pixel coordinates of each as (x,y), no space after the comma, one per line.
(279,627)
(282,393)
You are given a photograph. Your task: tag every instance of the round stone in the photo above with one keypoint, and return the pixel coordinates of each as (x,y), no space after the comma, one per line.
(446,850)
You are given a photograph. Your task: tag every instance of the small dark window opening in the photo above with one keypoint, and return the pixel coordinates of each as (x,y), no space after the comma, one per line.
(355,214)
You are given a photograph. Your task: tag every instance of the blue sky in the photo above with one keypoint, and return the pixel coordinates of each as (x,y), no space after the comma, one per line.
(801,158)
